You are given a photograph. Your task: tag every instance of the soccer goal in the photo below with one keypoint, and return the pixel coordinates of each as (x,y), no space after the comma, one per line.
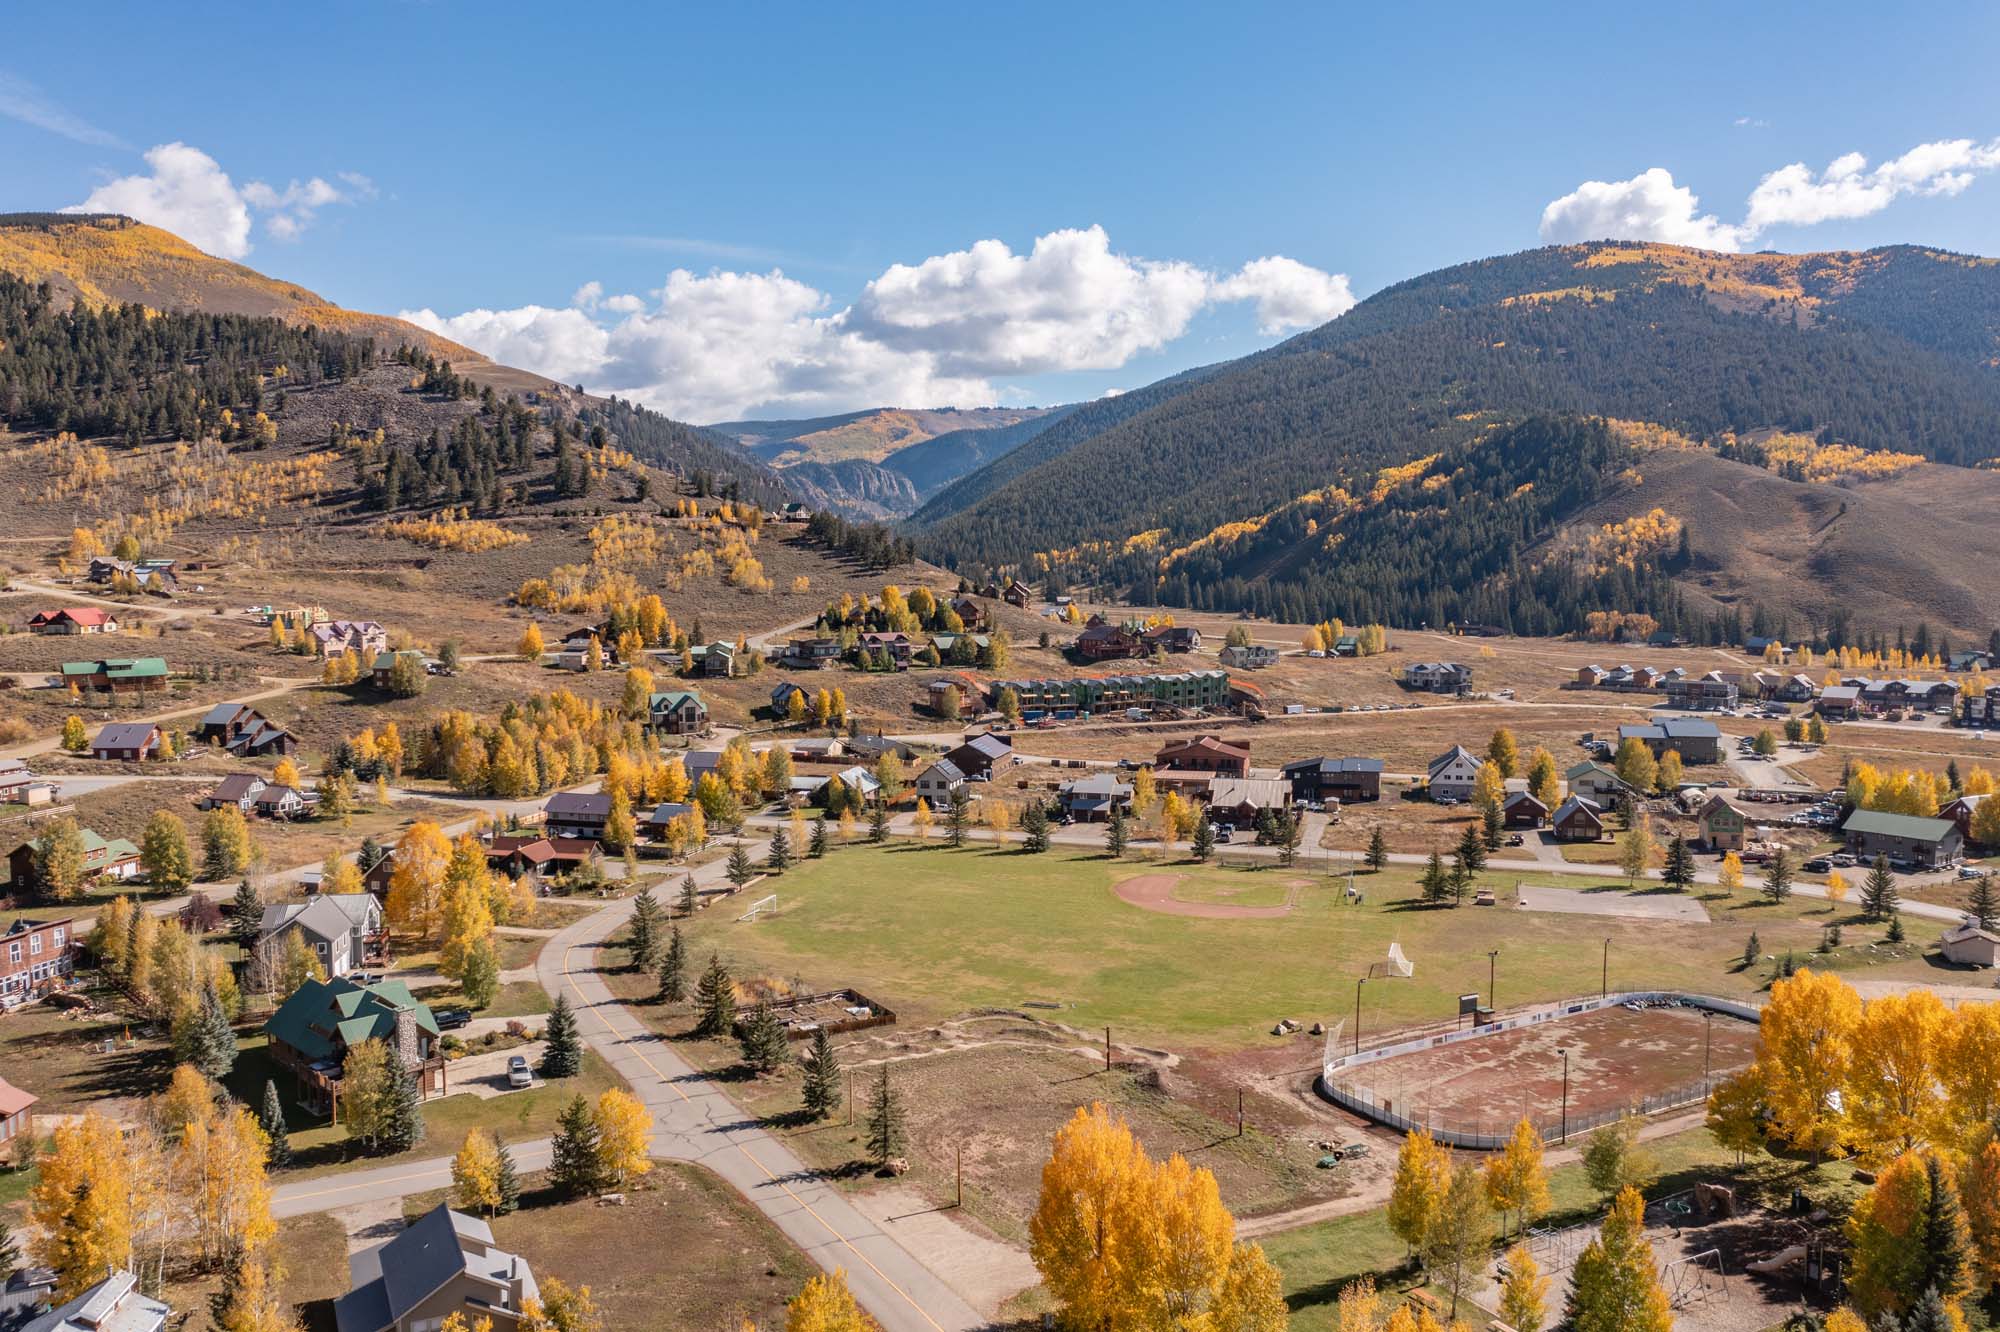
(1397,965)
(760,907)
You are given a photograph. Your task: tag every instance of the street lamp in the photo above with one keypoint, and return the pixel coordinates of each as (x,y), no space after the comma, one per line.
(1707,1040)
(1564,1052)
(1492,970)
(1604,986)
(1359,981)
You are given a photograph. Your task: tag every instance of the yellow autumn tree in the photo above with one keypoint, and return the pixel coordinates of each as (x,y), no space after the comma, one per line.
(625,1132)
(1615,1285)
(824,1304)
(475,1173)
(1416,1194)
(1893,1097)
(81,1207)
(416,884)
(1729,876)
(1805,1049)
(1516,1179)
(1968,1066)
(256,1301)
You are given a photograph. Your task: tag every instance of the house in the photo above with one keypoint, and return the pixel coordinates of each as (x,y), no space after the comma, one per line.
(15,779)
(1577,820)
(1017,593)
(1967,945)
(17,1121)
(115,859)
(781,698)
(1237,801)
(1592,676)
(899,647)
(244,731)
(1713,692)
(281,802)
(1103,641)
(936,783)
(1451,774)
(74,620)
(1925,843)
(965,649)
(1796,688)
(1695,740)
(224,722)
(150,575)
(545,857)
(337,638)
(811,654)
(238,788)
(116,675)
(344,930)
(982,757)
(1175,638)
(312,1032)
(129,741)
(115,1304)
(698,763)
(1522,810)
(1347,645)
(1960,812)
(818,749)
(819,790)
(1089,695)
(953,695)
(677,712)
(444,1264)
(1091,799)
(1348,780)
(36,955)
(872,747)
(575,814)
(384,666)
(1249,656)
(1437,677)
(714,660)
(375,877)
(1723,827)
(970,613)
(1204,753)
(1594,782)
(1839,702)
(1758,646)
(1961,662)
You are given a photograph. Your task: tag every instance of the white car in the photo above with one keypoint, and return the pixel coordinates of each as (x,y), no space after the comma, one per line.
(518,1072)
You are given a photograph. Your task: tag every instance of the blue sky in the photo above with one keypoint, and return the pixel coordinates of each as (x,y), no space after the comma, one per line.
(485,163)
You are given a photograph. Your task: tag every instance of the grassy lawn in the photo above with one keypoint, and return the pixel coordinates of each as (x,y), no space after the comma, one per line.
(319,1147)
(311,1250)
(63,1060)
(690,1255)
(933,932)
(1317,1260)
(1589,853)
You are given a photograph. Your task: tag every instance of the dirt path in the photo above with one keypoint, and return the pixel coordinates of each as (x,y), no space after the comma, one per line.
(1155,892)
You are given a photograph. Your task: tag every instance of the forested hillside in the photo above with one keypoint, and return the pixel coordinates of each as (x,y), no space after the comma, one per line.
(1712,349)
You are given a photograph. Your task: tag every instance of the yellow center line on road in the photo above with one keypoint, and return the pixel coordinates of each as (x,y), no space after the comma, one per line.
(569,974)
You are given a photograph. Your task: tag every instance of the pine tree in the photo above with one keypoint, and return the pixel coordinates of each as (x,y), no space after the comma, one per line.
(1378,850)
(817,846)
(1204,839)
(403,1118)
(562,1057)
(1940,1244)
(509,1179)
(272,1120)
(958,816)
(1491,827)
(740,871)
(673,968)
(1931,1314)
(1034,829)
(690,896)
(211,1042)
(885,1119)
(763,1039)
(779,857)
(575,1159)
(10,1255)
(645,941)
(1879,898)
(1895,934)
(479,978)
(714,1000)
(1115,832)
(878,824)
(246,915)
(1984,904)
(1752,950)
(822,1082)
(1778,875)
(1471,851)
(1679,871)
(1435,882)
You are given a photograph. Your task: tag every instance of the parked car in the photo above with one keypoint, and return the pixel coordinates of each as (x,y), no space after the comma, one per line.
(1818,865)
(1971,872)
(451,1019)
(1221,832)
(518,1072)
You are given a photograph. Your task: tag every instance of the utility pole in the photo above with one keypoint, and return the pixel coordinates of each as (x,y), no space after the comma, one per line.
(1107,1049)
(850,1098)
(1492,972)
(1707,1040)
(1565,1113)
(958,1155)
(1604,987)
(1239,1112)
(1359,981)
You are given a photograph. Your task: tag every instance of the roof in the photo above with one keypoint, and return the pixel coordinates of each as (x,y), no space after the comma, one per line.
(390,1280)
(273,794)
(1335,765)
(119,668)
(577,804)
(1716,805)
(1524,797)
(1262,792)
(13,1100)
(1587,767)
(1574,806)
(114,1304)
(1455,753)
(988,744)
(1102,785)
(1840,694)
(1884,824)
(944,770)
(1969,928)
(224,713)
(673,698)
(327,916)
(1671,728)
(318,1009)
(124,735)
(667,811)
(76,614)
(1206,744)
(236,786)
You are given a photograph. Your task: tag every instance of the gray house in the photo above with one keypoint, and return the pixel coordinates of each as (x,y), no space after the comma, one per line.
(342,929)
(115,1304)
(1926,843)
(445,1263)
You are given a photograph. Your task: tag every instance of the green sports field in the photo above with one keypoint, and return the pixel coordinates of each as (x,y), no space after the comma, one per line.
(932,932)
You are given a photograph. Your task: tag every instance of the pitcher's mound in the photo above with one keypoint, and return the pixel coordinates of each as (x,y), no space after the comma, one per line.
(1155,892)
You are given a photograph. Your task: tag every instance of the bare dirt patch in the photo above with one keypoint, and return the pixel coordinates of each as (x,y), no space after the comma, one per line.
(1155,892)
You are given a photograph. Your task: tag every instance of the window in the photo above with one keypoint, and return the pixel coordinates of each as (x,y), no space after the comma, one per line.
(58,936)
(34,944)
(14,952)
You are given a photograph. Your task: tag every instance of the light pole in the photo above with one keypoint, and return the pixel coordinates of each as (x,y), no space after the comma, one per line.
(1604,986)
(1359,981)
(1707,1040)
(1492,972)
(1564,1052)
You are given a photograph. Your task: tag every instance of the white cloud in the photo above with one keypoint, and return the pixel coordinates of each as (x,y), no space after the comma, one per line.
(1647,207)
(1289,294)
(934,333)
(1651,207)
(189,194)
(23,101)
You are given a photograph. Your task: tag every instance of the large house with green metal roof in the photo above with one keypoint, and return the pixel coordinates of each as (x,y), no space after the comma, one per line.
(313,1030)
(1920,842)
(678,712)
(1091,694)
(117,675)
